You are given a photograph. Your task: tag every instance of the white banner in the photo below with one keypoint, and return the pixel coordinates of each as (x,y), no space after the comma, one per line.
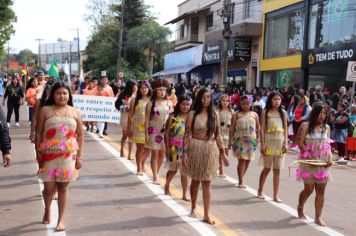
(97,108)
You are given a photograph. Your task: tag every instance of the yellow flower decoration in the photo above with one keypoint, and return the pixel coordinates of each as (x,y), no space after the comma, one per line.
(140,127)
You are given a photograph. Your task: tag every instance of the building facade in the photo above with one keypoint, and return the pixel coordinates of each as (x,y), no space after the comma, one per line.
(307,42)
(199,22)
(63,52)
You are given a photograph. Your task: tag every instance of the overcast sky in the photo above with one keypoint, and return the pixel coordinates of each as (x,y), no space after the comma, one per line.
(53,19)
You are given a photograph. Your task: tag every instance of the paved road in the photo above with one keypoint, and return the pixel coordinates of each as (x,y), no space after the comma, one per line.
(109,199)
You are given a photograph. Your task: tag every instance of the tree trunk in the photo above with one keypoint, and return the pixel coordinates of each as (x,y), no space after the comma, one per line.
(151,55)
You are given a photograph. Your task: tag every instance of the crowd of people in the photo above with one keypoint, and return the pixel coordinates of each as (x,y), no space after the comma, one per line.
(195,128)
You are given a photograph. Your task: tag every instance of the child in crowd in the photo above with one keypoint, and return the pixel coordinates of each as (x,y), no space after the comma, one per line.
(174,144)
(136,123)
(273,142)
(351,139)
(244,133)
(225,114)
(157,112)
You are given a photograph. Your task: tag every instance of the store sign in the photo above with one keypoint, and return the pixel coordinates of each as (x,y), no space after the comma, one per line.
(330,55)
(351,71)
(243,48)
(213,51)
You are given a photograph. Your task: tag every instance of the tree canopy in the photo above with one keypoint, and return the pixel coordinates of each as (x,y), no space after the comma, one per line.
(7,18)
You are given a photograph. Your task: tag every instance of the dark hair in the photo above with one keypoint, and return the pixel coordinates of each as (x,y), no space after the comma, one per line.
(296,102)
(219,104)
(127,92)
(198,107)
(139,95)
(56,86)
(180,100)
(313,117)
(329,102)
(153,101)
(244,97)
(29,83)
(342,104)
(269,107)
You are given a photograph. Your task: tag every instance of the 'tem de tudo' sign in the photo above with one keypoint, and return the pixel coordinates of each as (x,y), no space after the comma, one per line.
(329,55)
(97,108)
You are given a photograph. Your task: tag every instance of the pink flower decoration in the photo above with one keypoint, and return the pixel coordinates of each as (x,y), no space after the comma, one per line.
(62,129)
(158,139)
(155,109)
(305,175)
(298,174)
(70,172)
(321,175)
(50,173)
(152,130)
(62,145)
(58,172)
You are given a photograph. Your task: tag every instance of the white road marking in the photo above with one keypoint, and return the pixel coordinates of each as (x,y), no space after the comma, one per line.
(200,227)
(51,228)
(288,209)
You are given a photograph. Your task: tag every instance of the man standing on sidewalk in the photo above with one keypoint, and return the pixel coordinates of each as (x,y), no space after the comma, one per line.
(5,140)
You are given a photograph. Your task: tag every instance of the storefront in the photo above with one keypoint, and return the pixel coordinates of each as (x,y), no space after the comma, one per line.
(239,58)
(283,27)
(331,43)
(179,66)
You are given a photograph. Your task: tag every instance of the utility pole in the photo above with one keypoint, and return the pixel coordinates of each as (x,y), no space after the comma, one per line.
(78,51)
(226,12)
(120,38)
(39,52)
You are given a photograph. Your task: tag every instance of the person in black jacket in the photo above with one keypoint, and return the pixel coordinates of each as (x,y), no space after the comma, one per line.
(5,140)
(15,96)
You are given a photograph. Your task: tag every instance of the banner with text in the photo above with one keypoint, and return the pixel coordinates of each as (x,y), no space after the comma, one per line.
(97,108)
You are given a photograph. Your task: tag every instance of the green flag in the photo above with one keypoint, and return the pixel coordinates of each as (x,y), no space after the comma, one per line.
(53,70)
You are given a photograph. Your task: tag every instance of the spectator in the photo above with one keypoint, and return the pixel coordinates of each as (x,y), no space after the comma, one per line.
(259,101)
(5,140)
(301,113)
(15,96)
(290,119)
(340,120)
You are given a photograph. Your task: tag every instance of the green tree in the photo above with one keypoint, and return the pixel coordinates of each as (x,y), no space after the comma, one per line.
(7,18)
(26,55)
(151,38)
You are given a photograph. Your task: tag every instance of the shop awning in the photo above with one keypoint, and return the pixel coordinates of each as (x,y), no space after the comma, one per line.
(173,71)
(181,17)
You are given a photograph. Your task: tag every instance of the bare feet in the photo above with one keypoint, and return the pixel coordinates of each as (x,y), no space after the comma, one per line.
(261,196)
(241,186)
(320,222)
(139,173)
(301,213)
(184,198)
(166,190)
(192,214)
(130,158)
(277,199)
(60,227)
(208,221)
(46,218)
(122,155)
(156,182)
(222,175)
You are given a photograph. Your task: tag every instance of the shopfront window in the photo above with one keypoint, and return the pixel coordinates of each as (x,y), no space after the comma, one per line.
(282,78)
(284,32)
(331,23)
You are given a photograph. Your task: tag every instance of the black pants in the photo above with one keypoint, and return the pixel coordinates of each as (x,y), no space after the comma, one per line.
(340,149)
(13,106)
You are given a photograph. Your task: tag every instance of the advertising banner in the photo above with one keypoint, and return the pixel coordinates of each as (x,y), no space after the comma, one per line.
(97,108)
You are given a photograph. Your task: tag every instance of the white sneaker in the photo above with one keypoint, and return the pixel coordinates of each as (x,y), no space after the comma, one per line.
(17,124)
(8,125)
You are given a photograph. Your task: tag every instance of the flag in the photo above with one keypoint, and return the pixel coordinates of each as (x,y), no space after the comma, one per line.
(25,70)
(53,70)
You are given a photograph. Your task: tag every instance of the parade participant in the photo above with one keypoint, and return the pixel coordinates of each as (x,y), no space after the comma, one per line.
(315,157)
(105,86)
(244,133)
(5,140)
(273,143)
(202,146)
(32,93)
(59,148)
(136,123)
(225,114)
(157,112)
(91,90)
(15,95)
(100,91)
(174,144)
(123,105)
(41,78)
(171,95)
(341,123)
